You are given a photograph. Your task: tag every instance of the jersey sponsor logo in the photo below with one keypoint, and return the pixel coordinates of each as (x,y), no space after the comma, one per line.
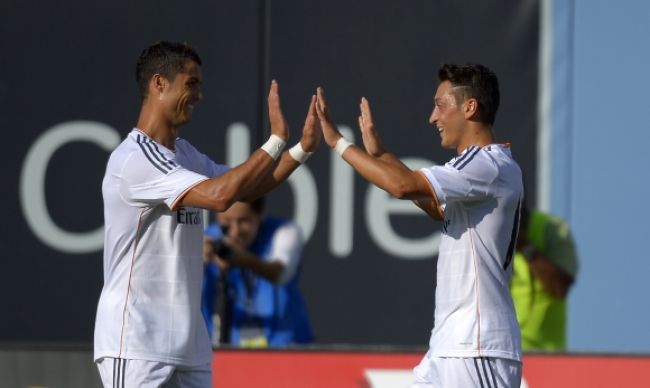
(189,216)
(153,154)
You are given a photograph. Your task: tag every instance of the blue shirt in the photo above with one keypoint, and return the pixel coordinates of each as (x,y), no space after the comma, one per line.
(279,311)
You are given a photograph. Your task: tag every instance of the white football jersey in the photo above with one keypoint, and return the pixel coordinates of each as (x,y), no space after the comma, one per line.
(149,307)
(481,191)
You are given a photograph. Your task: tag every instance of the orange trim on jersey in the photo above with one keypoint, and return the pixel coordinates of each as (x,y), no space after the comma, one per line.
(128,289)
(184,193)
(434,197)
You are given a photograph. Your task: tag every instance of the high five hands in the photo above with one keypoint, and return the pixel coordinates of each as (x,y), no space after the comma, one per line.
(311,133)
(319,122)
(279,126)
(371,140)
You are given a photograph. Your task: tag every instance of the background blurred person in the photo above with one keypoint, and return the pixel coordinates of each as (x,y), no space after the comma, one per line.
(546,265)
(256,258)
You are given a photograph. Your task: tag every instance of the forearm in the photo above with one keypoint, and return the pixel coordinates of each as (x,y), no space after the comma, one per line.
(387,174)
(556,282)
(268,270)
(219,193)
(391,159)
(280,173)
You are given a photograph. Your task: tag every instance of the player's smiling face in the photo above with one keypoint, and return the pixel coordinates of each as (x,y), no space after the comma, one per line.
(447,116)
(183,94)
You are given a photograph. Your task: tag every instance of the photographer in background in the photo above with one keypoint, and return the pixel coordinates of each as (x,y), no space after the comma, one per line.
(545,268)
(251,284)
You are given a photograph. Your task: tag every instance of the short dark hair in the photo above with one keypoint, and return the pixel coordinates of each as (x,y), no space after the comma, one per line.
(165,58)
(477,81)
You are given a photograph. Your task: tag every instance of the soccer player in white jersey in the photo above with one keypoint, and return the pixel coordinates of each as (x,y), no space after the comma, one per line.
(149,331)
(475,341)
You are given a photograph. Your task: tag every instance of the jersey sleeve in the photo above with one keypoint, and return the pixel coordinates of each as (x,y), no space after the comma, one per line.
(199,162)
(286,248)
(145,184)
(466,181)
(209,168)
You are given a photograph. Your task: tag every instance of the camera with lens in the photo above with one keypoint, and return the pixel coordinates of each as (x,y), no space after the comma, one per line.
(220,248)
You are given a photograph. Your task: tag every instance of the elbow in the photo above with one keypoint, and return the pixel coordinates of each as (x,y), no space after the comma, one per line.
(406,186)
(400,190)
(565,286)
(220,207)
(277,280)
(277,274)
(211,195)
(560,290)
(221,200)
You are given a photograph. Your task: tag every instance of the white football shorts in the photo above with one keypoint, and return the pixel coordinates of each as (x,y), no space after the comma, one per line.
(122,373)
(480,372)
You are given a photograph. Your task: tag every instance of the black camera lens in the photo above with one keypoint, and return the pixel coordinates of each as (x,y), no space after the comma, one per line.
(222,250)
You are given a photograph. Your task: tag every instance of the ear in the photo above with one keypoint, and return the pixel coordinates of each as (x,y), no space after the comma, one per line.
(470,108)
(158,84)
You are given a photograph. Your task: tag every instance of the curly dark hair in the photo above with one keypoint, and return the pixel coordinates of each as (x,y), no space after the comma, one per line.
(164,58)
(474,81)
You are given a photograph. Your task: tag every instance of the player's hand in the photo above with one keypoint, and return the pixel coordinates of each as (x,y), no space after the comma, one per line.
(330,132)
(208,249)
(279,126)
(371,140)
(210,256)
(311,132)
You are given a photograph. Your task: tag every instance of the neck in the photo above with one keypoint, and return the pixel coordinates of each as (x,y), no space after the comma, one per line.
(156,127)
(477,135)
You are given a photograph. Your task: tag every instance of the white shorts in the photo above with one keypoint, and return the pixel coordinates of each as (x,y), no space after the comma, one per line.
(123,373)
(480,372)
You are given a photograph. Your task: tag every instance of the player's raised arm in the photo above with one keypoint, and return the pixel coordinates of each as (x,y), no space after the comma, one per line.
(279,126)
(374,147)
(220,192)
(371,140)
(294,157)
(395,178)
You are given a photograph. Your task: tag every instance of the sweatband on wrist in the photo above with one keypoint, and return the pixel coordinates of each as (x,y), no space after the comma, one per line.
(299,154)
(274,146)
(341,145)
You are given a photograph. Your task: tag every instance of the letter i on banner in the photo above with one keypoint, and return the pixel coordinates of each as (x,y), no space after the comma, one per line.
(341,202)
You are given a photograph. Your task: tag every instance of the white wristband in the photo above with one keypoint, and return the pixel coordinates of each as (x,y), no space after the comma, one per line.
(274,146)
(299,154)
(341,145)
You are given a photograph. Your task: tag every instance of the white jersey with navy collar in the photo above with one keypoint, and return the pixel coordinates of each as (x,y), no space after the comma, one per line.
(481,191)
(149,307)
